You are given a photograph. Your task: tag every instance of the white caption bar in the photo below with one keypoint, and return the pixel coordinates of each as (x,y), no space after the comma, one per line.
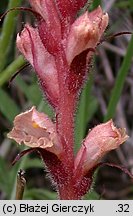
(64,208)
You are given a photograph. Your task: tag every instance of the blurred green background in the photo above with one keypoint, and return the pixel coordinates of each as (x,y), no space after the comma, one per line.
(108,94)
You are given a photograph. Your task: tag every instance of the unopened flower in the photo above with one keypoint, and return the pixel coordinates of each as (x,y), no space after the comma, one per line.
(100,140)
(32,48)
(35,130)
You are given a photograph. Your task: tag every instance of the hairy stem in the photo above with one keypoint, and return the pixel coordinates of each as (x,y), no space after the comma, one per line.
(65,113)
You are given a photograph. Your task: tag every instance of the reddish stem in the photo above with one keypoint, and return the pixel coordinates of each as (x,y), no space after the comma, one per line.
(65,125)
(68,192)
(65,113)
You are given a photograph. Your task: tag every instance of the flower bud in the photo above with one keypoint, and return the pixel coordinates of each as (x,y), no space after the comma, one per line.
(30,44)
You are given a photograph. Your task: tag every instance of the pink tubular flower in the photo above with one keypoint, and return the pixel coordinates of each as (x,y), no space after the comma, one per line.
(35,130)
(60,48)
(100,140)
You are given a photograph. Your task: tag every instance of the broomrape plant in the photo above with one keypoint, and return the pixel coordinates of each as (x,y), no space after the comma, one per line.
(60,48)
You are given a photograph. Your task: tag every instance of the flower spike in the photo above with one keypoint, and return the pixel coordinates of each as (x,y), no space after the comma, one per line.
(60,48)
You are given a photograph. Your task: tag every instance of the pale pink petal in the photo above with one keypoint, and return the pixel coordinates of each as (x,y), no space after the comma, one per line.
(35,129)
(85,33)
(100,140)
